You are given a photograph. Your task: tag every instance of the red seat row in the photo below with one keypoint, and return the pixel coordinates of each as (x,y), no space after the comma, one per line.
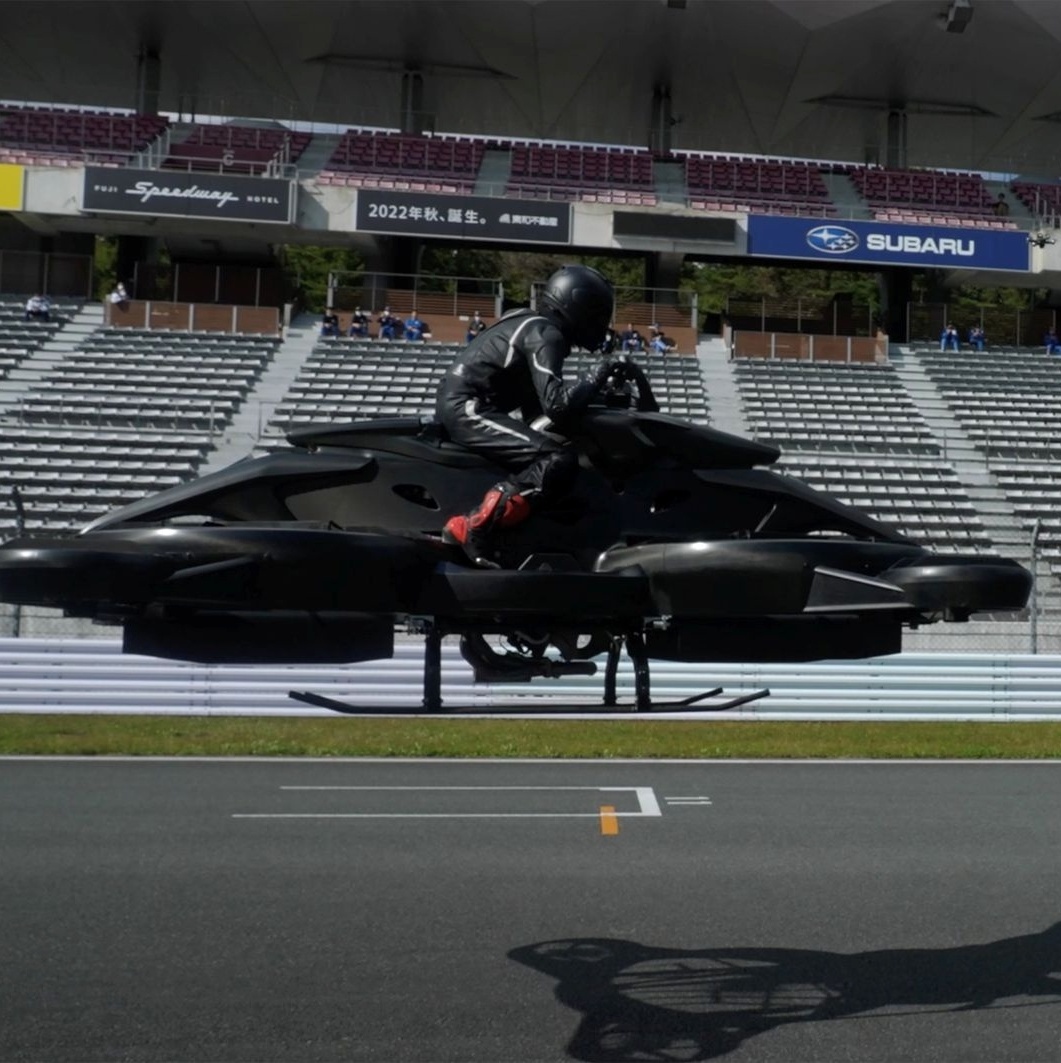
(236,149)
(77,130)
(394,153)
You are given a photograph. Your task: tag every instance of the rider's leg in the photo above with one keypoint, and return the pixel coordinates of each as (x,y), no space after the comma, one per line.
(502,507)
(540,467)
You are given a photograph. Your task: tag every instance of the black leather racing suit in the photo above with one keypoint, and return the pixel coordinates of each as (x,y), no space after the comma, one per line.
(515,364)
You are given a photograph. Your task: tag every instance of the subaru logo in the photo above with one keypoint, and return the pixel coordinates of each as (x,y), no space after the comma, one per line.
(832,239)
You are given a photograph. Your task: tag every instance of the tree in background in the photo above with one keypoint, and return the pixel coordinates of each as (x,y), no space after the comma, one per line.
(715,283)
(306,270)
(465,262)
(519,270)
(105,266)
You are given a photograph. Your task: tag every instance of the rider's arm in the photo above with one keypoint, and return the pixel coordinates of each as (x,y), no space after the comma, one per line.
(546,351)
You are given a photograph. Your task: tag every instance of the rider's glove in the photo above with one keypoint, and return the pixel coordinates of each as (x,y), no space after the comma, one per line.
(605,368)
(591,383)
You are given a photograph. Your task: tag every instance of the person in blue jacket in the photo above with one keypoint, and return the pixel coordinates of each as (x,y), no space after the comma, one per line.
(414,327)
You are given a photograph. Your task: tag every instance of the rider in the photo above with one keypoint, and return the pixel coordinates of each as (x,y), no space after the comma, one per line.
(517,364)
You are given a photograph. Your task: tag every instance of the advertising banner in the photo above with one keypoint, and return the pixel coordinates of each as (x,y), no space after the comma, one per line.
(463,217)
(187,195)
(887,243)
(12,181)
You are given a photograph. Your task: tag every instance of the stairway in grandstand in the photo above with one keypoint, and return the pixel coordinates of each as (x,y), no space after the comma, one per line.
(845,196)
(720,384)
(241,436)
(28,349)
(905,442)
(494,173)
(1001,522)
(319,150)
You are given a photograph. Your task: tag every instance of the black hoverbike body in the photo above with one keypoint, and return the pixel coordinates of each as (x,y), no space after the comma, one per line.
(676,542)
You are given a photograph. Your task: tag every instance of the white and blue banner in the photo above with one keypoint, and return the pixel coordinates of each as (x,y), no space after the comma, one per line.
(885,243)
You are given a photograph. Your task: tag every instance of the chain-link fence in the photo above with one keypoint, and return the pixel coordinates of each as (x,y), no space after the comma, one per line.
(839,316)
(1002,325)
(429,293)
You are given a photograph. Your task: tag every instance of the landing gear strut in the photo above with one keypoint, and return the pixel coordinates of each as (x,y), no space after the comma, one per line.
(635,650)
(490,666)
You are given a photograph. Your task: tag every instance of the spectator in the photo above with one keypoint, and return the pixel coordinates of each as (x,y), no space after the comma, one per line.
(1001,207)
(1053,345)
(414,327)
(475,326)
(119,297)
(38,308)
(948,338)
(388,323)
(631,339)
(330,323)
(977,338)
(659,343)
(359,323)
(611,340)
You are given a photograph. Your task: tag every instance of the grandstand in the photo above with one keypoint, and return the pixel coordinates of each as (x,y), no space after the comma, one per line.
(389,160)
(940,446)
(19,338)
(352,380)
(1004,402)
(950,449)
(590,173)
(346,379)
(858,433)
(859,409)
(777,186)
(119,414)
(925,195)
(59,136)
(126,412)
(234,148)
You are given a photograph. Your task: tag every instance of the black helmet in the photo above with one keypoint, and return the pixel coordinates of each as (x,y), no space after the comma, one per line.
(583,302)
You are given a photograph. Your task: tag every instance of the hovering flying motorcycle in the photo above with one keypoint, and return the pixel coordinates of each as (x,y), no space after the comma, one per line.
(675,543)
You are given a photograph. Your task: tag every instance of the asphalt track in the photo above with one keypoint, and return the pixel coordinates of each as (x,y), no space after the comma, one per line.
(486,912)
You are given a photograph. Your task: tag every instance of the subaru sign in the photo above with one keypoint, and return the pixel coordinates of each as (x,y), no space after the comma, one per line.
(886,243)
(832,239)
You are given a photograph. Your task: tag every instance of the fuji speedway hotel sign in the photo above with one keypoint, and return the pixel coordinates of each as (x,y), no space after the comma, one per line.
(187,195)
(890,244)
(466,217)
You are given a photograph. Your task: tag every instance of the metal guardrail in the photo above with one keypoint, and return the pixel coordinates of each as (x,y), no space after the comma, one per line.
(93,676)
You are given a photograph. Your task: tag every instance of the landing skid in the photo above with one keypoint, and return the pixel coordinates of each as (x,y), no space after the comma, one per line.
(635,648)
(552,709)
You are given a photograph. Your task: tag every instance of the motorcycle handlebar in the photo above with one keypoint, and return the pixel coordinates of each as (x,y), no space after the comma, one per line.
(628,371)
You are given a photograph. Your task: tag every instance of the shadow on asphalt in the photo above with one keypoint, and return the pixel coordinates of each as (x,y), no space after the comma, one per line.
(639,1002)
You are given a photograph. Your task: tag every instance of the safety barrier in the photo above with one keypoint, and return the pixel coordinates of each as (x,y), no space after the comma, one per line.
(92,675)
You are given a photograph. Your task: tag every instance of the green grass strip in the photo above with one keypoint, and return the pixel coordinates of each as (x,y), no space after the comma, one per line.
(104,735)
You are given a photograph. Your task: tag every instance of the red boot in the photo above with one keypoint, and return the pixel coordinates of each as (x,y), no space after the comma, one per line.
(502,507)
